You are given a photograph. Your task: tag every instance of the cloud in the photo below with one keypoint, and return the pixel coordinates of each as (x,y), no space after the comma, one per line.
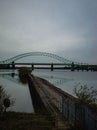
(65,27)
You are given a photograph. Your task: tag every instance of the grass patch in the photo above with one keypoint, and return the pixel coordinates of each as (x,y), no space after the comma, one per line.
(25,121)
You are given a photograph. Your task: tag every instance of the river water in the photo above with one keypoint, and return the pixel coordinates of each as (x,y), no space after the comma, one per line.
(66,80)
(18,91)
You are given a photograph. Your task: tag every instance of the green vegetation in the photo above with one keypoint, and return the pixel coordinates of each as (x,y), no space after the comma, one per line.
(5,100)
(25,121)
(86,96)
(23,74)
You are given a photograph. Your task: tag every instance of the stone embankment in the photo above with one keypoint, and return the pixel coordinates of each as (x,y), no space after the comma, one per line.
(47,99)
(51,100)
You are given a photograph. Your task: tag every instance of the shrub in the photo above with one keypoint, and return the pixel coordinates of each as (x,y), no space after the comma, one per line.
(87,96)
(5,100)
(23,74)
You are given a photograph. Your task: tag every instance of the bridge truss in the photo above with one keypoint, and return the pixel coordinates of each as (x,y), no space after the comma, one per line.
(54,56)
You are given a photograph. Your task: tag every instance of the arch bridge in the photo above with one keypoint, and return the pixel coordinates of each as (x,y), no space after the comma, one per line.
(68,64)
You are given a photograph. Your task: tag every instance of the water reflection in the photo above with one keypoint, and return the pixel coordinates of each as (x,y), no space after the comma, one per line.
(18,91)
(55,79)
(11,77)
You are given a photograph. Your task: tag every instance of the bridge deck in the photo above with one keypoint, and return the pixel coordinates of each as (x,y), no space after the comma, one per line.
(65,66)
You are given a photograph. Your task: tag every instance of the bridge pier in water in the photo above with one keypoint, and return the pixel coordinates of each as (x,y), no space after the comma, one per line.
(72,66)
(51,67)
(32,66)
(13,65)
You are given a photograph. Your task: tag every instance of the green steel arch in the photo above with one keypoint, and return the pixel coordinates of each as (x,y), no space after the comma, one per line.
(54,56)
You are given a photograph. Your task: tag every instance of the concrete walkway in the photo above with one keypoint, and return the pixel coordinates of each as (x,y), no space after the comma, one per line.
(52,101)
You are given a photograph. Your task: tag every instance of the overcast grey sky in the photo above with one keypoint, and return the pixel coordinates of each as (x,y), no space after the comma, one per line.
(67,28)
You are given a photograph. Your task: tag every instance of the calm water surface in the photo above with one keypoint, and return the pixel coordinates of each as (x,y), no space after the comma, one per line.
(16,90)
(66,80)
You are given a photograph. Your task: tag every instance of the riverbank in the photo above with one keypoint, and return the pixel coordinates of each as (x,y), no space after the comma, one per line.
(37,121)
(62,104)
(51,99)
(58,103)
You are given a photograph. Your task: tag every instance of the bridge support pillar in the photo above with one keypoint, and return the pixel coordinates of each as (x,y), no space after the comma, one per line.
(72,66)
(51,67)
(32,66)
(13,65)
(77,67)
